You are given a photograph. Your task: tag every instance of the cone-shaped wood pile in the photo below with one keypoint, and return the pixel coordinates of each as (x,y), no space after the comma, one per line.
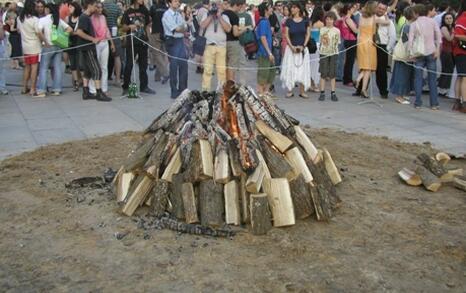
(234,159)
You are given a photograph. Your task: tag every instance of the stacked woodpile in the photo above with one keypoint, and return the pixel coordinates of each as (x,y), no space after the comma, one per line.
(433,172)
(233,158)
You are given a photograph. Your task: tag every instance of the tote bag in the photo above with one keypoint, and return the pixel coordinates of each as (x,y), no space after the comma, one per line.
(418,47)
(60,38)
(199,44)
(400,53)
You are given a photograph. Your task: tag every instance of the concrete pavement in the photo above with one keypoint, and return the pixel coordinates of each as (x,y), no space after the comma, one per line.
(27,123)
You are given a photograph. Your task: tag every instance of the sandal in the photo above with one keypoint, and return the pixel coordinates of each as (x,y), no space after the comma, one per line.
(304,96)
(402,101)
(289,95)
(364,95)
(25,91)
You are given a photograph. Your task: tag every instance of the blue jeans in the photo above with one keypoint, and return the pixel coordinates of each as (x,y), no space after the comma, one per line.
(178,65)
(430,64)
(45,60)
(2,65)
(341,61)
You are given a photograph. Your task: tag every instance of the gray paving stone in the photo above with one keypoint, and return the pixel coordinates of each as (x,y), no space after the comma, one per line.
(15,134)
(57,135)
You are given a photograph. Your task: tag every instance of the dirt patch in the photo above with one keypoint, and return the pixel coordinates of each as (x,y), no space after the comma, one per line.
(385,236)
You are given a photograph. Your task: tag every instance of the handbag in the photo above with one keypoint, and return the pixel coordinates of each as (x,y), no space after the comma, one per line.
(312,46)
(418,47)
(199,44)
(400,53)
(59,37)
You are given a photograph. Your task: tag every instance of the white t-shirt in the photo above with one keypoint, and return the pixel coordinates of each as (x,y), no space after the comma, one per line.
(45,25)
(29,39)
(218,37)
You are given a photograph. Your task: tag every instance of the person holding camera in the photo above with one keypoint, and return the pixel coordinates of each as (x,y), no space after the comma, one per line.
(215,26)
(296,65)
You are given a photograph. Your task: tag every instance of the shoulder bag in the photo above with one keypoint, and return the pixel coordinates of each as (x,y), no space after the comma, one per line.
(418,47)
(400,53)
(60,37)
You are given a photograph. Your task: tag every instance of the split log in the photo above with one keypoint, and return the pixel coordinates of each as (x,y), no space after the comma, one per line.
(143,185)
(254,182)
(451,174)
(211,204)
(176,196)
(305,142)
(245,198)
(155,157)
(332,170)
(222,168)
(432,165)
(281,204)
(262,162)
(232,209)
(410,177)
(459,183)
(160,195)
(322,179)
(206,159)
(429,180)
(139,157)
(442,158)
(301,197)
(123,184)
(281,142)
(321,200)
(189,203)
(260,214)
(277,163)
(201,165)
(173,167)
(296,160)
(235,161)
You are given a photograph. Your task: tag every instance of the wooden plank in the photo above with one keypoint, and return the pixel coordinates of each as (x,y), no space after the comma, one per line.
(232,208)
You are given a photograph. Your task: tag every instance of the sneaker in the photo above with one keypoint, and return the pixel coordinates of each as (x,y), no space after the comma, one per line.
(322,97)
(39,95)
(148,90)
(435,108)
(334,97)
(55,93)
(165,79)
(102,97)
(87,95)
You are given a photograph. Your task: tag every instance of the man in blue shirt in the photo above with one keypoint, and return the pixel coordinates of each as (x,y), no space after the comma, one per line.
(265,58)
(174,27)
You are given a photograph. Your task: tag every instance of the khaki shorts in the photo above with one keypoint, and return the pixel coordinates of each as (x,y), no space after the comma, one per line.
(265,71)
(234,51)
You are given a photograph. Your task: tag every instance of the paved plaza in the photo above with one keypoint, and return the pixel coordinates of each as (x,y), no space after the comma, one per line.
(27,123)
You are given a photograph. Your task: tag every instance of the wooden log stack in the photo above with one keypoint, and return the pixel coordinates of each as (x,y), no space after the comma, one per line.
(229,159)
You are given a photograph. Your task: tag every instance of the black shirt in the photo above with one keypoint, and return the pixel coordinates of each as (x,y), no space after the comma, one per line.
(139,17)
(156,13)
(85,24)
(234,20)
(273,19)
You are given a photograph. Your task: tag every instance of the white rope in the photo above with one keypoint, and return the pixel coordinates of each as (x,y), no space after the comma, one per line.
(237,68)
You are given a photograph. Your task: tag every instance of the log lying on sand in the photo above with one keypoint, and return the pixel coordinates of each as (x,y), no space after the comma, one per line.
(122,184)
(432,165)
(429,180)
(281,204)
(260,214)
(211,203)
(459,183)
(410,177)
(442,158)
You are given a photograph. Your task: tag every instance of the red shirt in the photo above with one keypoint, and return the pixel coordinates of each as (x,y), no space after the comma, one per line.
(460,30)
(64,11)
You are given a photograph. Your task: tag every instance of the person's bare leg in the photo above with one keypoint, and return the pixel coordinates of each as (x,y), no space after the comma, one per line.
(322,84)
(458,87)
(117,70)
(463,89)
(34,68)
(365,81)
(333,84)
(26,76)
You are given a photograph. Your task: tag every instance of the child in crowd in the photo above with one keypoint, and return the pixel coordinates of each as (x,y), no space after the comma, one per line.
(329,41)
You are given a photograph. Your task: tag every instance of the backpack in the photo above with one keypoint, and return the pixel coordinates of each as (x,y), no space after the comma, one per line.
(250,40)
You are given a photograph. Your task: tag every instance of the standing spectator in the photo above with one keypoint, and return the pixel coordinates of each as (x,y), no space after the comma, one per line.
(446,55)
(11,21)
(265,58)
(235,51)
(425,29)
(286,15)
(3,90)
(31,39)
(40,8)
(174,27)
(200,14)
(136,20)
(442,9)
(385,40)
(112,13)
(276,36)
(89,65)
(296,61)
(317,18)
(157,54)
(460,58)
(400,19)
(216,25)
(330,39)
(75,12)
(102,34)
(189,34)
(51,54)
(401,83)
(349,31)
(366,50)
(64,9)
(245,23)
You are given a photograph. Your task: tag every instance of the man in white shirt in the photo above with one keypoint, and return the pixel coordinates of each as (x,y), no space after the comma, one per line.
(386,40)
(442,9)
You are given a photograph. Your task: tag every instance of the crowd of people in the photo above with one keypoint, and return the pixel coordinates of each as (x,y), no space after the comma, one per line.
(303,45)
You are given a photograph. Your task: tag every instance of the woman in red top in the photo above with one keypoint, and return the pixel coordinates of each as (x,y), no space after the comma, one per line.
(459,51)
(446,55)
